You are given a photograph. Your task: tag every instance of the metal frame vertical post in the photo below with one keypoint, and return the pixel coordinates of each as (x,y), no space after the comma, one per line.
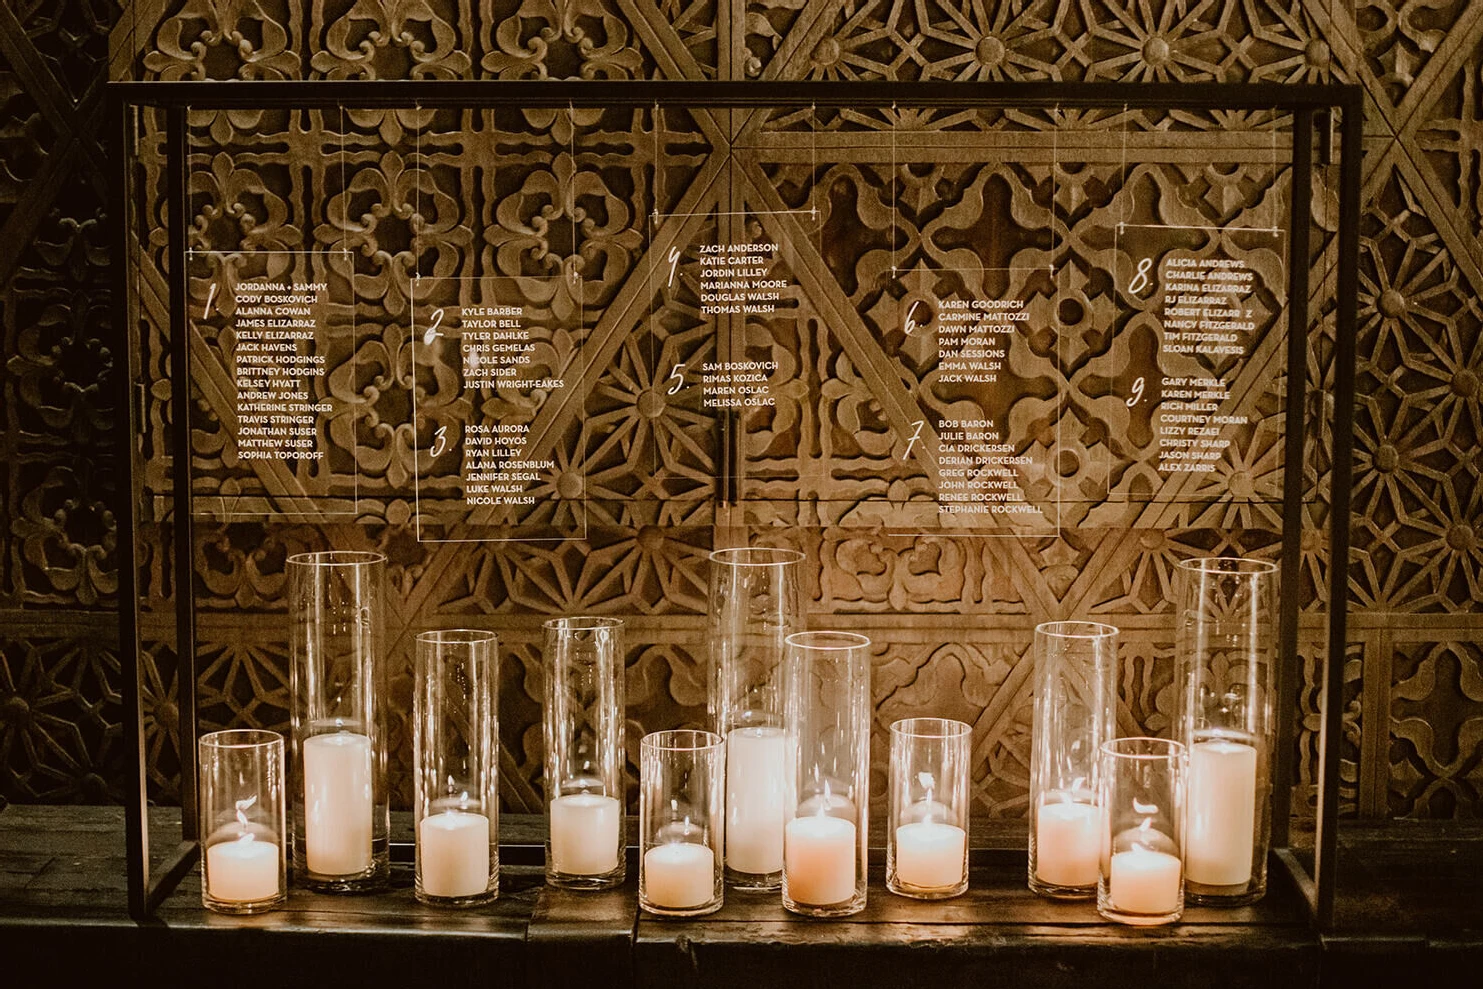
(136,796)
(1325,866)
(178,197)
(1290,661)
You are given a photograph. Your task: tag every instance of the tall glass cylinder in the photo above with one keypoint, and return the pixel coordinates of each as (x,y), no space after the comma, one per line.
(755,604)
(341,819)
(1141,786)
(455,783)
(681,822)
(1075,713)
(1226,671)
(827,719)
(583,664)
(243,823)
(927,834)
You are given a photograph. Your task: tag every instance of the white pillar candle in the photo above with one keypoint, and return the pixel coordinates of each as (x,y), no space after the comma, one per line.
(453,853)
(242,871)
(1068,844)
(338,809)
(584,834)
(1222,813)
(756,799)
(1144,881)
(930,855)
(679,875)
(819,860)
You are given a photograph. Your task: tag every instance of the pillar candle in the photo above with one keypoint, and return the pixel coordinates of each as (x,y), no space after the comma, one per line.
(338,807)
(1144,881)
(819,860)
(242,871)
(584,834)
(1222,813)
(930,855)
(453,853)
(756,807)
(1068,843)
(679,875)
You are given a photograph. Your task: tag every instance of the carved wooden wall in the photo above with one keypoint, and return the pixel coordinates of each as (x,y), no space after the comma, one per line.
(951,617)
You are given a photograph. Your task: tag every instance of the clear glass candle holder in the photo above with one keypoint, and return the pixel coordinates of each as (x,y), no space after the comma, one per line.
(1226,671)
(1142,793)
(1075,713)
(681,822)
(455,783)
(583,664)
(827,718)
(244,865)
(755,604)
(342,820)
(927,833)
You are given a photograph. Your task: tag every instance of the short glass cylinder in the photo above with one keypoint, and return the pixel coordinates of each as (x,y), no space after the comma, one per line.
(927,833)
(583,663)
(455,782)
(1142,793)
(681,822)
(1075,713)
(243,821)
(342,821)
(1226,672)
(754,604)
(827,718)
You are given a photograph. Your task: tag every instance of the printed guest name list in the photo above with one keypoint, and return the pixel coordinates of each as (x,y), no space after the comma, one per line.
(275,369)
(498,351)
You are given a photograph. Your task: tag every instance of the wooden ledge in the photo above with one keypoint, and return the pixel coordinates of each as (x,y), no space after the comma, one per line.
(63,910)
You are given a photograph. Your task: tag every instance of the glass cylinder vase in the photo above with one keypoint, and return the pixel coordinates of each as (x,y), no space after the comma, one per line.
(583,726)
(1226,672)
(827,719)
(1142,794)
(243,821)
(342,822)
(681,822)
(927,833)
(1075,713)
(455,758)
(755,604)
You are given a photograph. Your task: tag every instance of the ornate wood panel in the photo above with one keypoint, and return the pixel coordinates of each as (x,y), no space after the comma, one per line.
(950,616)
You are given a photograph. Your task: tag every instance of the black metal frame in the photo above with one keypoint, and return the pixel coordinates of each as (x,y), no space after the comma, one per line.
(1308,104)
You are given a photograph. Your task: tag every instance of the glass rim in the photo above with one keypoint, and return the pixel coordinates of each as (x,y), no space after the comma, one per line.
(1234,566)
(844,641)
(1170,747)
(337,558)
(702,740)
(456,636)
(783,556)
(951,728)
(581,623)
(241,738)
(1074,628)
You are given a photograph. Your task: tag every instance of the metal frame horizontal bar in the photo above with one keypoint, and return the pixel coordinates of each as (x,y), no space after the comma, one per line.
(468,93)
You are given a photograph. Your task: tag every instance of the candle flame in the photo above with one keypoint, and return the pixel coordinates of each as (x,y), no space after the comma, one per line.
(242,808)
